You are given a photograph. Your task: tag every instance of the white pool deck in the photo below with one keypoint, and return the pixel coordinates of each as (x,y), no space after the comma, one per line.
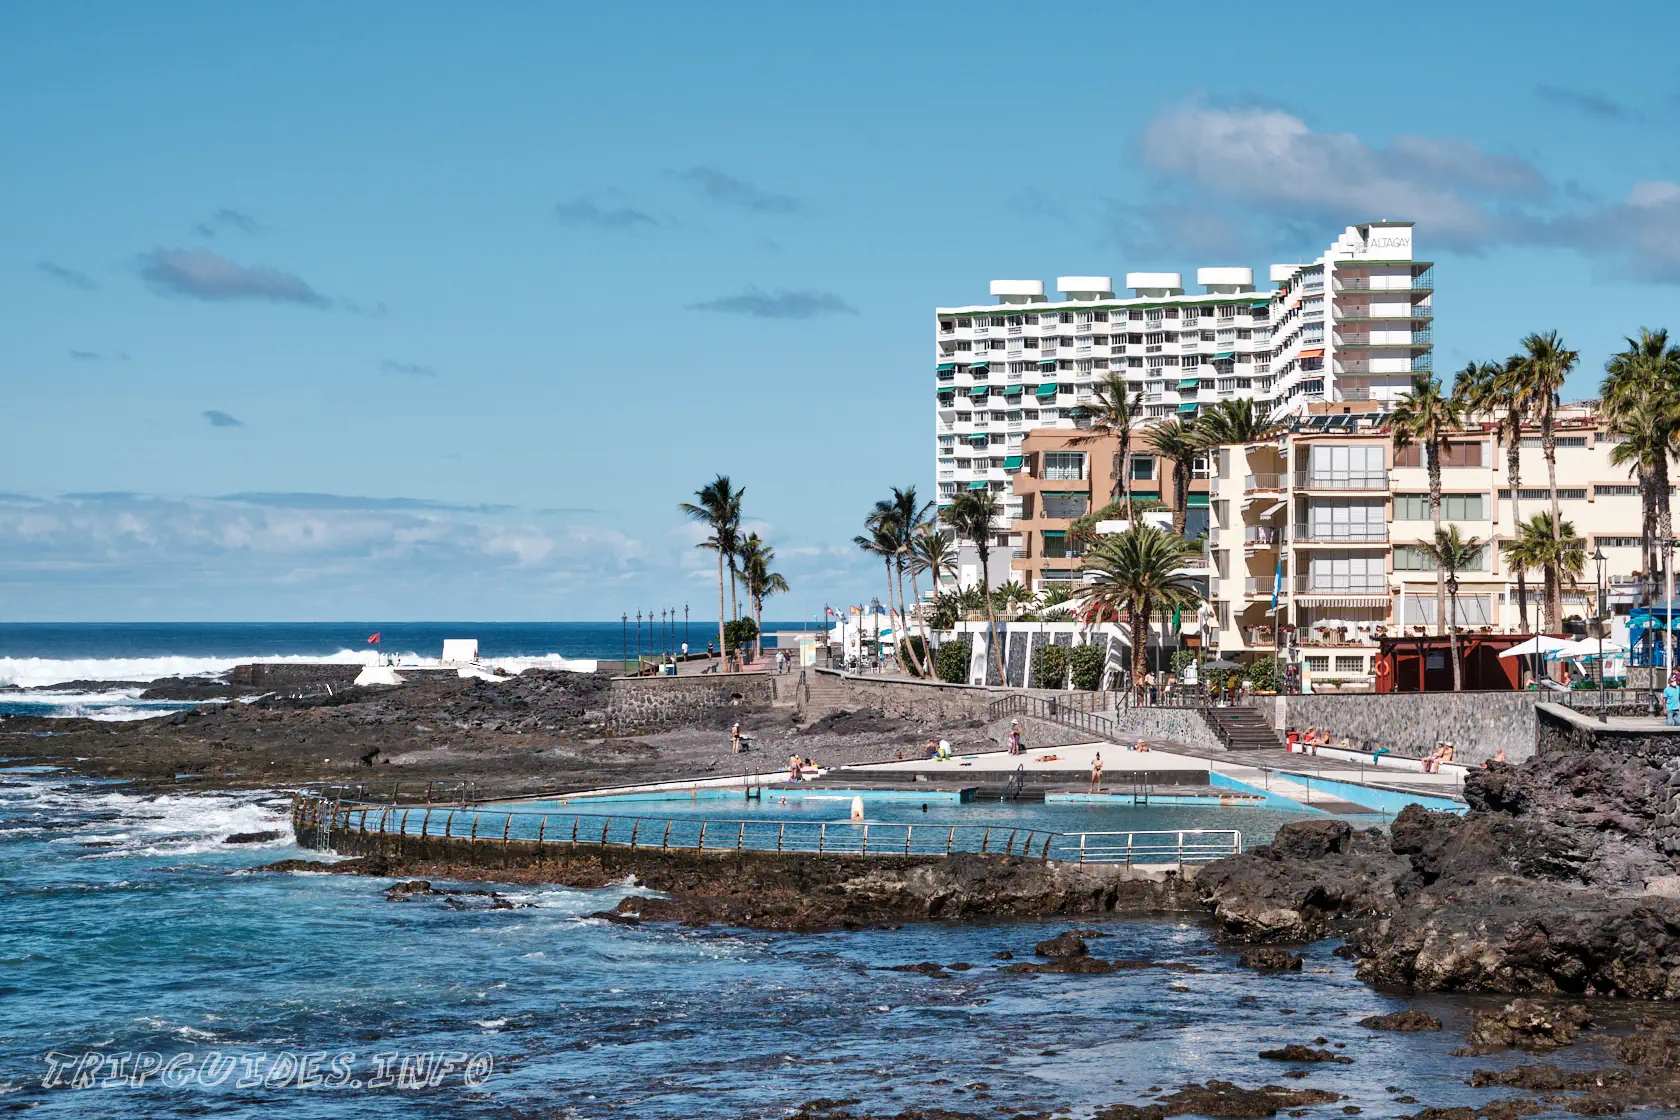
(1002,764)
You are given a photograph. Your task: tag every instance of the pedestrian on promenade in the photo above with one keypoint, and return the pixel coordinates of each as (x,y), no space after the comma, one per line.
(1149,686)
(1671,701)
(1096,773)
(1015,737)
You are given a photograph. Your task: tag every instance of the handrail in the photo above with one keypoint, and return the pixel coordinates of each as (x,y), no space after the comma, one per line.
(705,834)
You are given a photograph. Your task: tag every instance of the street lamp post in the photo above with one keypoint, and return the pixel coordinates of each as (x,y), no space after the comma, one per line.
(1598,628)
(685,624)
(625,620)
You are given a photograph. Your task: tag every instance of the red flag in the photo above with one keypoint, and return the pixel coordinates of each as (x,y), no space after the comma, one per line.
(373,639)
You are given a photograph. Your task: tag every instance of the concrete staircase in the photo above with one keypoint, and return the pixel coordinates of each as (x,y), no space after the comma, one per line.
(818,694)
(1242,728)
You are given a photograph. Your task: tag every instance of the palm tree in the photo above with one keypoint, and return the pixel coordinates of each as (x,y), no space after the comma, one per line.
(1180,442)
(1544,365)
(1138,572)
(1451,554)
(880,539)
(1235,421)
(1557,552)
(1496,390)
(1427,417)
(909,517)
(760,582)
(1113,413)
(931,550)
(1641,393)
(718,506)
(970,516)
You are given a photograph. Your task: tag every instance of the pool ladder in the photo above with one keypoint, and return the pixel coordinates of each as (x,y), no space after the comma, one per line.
(1017,782)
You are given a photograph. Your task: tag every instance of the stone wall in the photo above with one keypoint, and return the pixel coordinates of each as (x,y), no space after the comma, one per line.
(1411,723)
(666,701)
(927,701)
(1558,729)
(1160,727)
(291,677)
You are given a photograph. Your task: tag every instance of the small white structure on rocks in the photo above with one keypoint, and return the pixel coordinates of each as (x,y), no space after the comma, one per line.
(460,650)
(378,674)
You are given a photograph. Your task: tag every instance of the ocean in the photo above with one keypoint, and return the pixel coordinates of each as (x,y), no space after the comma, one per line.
(103,658)
(146,972)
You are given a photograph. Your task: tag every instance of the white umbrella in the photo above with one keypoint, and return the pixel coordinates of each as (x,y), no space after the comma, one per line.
(1538,644)
(1586,647)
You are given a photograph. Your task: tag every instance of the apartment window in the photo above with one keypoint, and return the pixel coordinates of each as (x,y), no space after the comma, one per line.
(1570,495)
(965,344)
(1454,507)
(1066,506)
(1412,558)
(1617,491)
(947,325)
(1143,468)
(1349,664)
(1134,363)
(1344,520)
(1347,572)
(1347,466)
(947,441)
(997,344)
(1134,316)
(997,320)
(1029,413)
(1617,542)
(1030,343)
(947,489)
(1317,663)
(1473,610)
(1533,442)
(1172,312)
(1222,514)
(1221,557)
(1067,317)
(1064,465)
(1199,467)
(1455,454)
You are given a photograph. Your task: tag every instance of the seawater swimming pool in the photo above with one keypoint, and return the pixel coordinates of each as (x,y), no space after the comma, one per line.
(1257,825)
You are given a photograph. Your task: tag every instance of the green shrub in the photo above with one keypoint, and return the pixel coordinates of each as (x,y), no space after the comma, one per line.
(740,632)
(951,662)
(1050,667)
(1087,664)
(913,645)
(1265,674)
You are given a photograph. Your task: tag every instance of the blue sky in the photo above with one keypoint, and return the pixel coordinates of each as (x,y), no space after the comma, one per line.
(321,311)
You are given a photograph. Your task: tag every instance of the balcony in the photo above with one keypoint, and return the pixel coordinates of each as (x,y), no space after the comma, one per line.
(1341,480)
(1320,584)
(1262,536)
(1264,482)
(1327,532)
(1385,284)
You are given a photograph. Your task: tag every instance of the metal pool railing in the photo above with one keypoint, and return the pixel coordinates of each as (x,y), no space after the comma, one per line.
(1191,845)
(698,834)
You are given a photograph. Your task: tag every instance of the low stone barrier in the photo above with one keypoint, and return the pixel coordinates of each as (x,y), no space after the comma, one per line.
(1412,723)
(659,701)
(933,701)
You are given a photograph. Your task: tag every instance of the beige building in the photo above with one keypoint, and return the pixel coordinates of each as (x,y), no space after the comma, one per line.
(1331,514)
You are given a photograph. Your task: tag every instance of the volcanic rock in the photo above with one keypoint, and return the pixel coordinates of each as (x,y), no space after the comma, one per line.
(1402,1021)
(1268,958)
(1528,1024)
(1295,1052)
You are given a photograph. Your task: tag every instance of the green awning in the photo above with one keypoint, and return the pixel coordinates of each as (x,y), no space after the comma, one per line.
(1261,303)
(1055,534)
(1225,356)
(979,390)
(1188,385)
(1046,391)
(1047,361)
(979,365)
(944,367)
(1187,406)
(1012,462)
(977,484)
(1012,390)
(1196,501)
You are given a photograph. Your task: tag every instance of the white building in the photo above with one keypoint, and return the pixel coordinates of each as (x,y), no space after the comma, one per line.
(1025,363)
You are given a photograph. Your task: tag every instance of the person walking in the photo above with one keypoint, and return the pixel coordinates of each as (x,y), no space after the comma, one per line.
(735,738)
(1671,701)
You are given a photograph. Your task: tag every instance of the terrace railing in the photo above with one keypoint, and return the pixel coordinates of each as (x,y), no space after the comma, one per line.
(699,834)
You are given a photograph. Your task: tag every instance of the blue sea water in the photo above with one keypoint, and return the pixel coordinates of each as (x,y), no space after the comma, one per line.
(130,928)
(39,655)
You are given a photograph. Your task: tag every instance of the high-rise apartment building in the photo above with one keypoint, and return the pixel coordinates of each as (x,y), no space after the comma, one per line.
(1023,365)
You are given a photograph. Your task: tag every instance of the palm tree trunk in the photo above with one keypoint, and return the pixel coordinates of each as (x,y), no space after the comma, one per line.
(886,559)
(921,623)
(1181,497)
(1435,515)
(991,615)
(904,642)
(723,648)
(757,606)
(1126,475)
(1548,443)
(1458,669)
(1513,479)
(1139,611)
(734,608)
